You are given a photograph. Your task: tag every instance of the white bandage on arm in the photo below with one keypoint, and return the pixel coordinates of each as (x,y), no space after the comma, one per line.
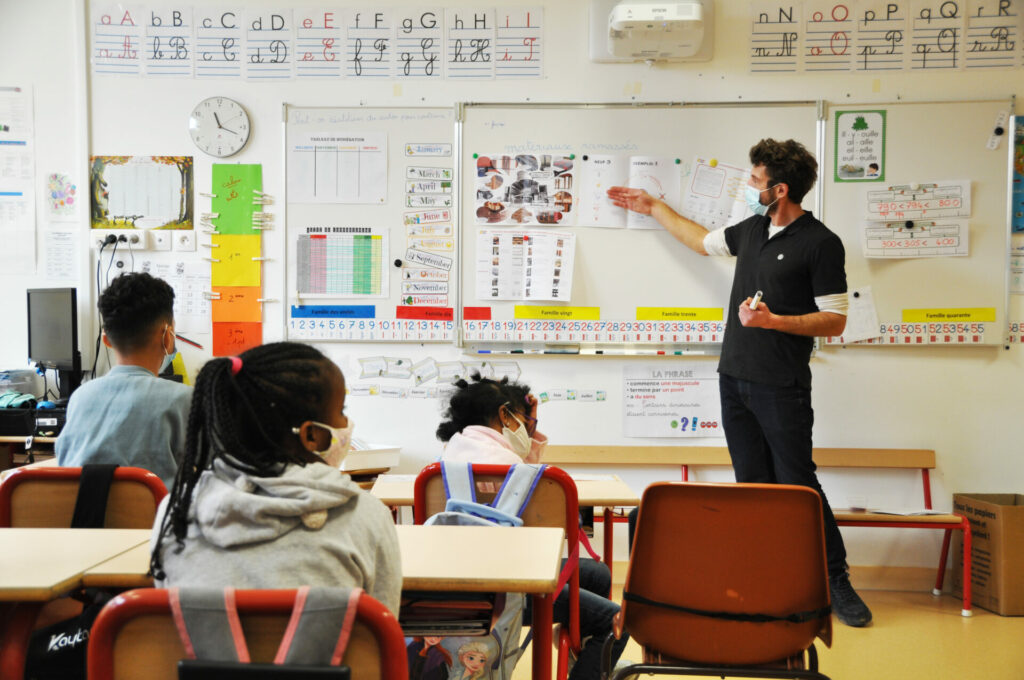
(837,304)
(714,243)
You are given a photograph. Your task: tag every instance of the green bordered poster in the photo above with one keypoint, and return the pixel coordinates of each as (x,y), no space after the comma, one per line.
(860,146)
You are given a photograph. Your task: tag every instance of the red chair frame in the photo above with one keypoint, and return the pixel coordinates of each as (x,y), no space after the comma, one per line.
(21,618)
(51,474)
(542,630)
(155,601)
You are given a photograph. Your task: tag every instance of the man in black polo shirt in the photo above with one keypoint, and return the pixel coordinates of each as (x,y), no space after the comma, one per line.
(765,377)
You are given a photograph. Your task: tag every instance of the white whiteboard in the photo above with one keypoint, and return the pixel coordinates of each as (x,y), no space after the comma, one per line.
(927,143)
(348,181)
(618,270)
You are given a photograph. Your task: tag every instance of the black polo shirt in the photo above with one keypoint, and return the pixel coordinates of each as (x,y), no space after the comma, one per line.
(804,261)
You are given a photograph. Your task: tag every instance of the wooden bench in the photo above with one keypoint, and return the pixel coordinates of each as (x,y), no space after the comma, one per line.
(909,459)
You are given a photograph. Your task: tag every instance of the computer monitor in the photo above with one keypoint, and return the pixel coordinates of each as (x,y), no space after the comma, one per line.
(53,334)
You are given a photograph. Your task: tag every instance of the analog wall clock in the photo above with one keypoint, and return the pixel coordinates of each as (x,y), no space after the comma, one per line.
(219,126)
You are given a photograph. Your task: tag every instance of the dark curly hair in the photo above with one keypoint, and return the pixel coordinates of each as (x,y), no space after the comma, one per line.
(788,163)
(246,419)
(477,403)
(131,306)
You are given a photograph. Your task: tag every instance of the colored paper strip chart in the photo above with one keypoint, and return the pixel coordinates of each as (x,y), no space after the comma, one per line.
(236,257)
(361,322)
(955,326)
(583,324)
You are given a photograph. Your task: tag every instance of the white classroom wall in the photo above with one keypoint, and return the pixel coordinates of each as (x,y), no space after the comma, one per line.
(958,401)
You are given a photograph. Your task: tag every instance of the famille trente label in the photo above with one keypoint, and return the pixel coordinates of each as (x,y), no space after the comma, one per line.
(679,314)
(573,313)
(960,314)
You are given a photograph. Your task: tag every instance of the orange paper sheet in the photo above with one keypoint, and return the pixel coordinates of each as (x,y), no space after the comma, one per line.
(237,303)
(233,338)
(235,265)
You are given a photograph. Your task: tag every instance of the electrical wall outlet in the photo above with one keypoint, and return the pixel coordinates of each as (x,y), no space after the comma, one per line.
(121,263)
(136,239)
(184,240)
(124,237)
(160,239)
(98,237)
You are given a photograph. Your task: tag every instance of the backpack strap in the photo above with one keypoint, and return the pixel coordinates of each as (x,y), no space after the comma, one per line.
(93,491)
(208,624)
(319,616)
(458,481)
(517,489)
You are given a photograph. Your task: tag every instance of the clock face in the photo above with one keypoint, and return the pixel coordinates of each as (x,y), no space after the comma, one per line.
(219,126)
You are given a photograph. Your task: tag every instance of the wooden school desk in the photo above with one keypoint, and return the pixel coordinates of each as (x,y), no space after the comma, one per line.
(38,565)
(18,445)
(41,461)
(604,491)
(437,558)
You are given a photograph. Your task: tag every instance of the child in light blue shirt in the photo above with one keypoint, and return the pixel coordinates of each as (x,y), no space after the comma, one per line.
(130,416)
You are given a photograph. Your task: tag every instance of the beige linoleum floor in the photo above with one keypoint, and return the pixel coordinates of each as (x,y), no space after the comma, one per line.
(914,636)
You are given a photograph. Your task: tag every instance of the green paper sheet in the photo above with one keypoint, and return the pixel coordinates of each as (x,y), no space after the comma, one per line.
(233,186)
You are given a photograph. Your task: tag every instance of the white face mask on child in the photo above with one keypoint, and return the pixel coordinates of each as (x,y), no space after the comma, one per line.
(341,443)
(519,439)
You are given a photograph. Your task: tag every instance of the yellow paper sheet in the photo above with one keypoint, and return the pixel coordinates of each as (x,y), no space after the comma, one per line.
(234,264)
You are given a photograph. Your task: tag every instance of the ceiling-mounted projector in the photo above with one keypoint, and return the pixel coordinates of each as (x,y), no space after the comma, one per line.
(640,30)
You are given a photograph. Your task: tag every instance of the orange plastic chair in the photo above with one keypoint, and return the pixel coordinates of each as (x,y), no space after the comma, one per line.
(44,497)
(726,580)
(554,503)
(134,637)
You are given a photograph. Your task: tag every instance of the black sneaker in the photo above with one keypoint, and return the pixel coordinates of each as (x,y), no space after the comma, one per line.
(846,603)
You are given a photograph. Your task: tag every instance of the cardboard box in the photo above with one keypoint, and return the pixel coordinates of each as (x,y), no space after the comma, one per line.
(997,554)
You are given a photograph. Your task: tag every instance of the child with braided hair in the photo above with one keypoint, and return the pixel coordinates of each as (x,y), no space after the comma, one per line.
(259,501)
(495,421)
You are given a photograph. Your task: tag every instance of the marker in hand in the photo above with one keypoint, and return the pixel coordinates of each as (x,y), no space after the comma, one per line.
(757,299)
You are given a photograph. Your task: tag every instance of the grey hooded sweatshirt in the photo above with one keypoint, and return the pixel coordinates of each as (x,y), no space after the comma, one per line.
(261,532)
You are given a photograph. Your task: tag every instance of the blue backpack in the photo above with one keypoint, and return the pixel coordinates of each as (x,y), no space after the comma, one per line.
(494,656)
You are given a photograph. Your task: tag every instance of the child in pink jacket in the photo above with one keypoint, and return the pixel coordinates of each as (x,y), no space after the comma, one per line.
(492,421)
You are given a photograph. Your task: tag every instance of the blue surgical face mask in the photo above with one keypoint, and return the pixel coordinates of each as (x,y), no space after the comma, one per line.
(753,198)
(168,357)
(167,361)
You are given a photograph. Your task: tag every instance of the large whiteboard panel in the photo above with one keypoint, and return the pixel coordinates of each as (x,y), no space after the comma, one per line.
(926,143)
(350,170)
(619,270)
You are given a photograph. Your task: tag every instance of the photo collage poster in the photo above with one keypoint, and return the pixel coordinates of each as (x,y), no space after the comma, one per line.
(524,189)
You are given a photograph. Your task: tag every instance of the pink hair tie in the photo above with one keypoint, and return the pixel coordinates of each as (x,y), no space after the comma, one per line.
(236,365)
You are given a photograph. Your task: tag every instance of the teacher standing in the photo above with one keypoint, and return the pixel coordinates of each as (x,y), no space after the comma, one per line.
(765,377)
